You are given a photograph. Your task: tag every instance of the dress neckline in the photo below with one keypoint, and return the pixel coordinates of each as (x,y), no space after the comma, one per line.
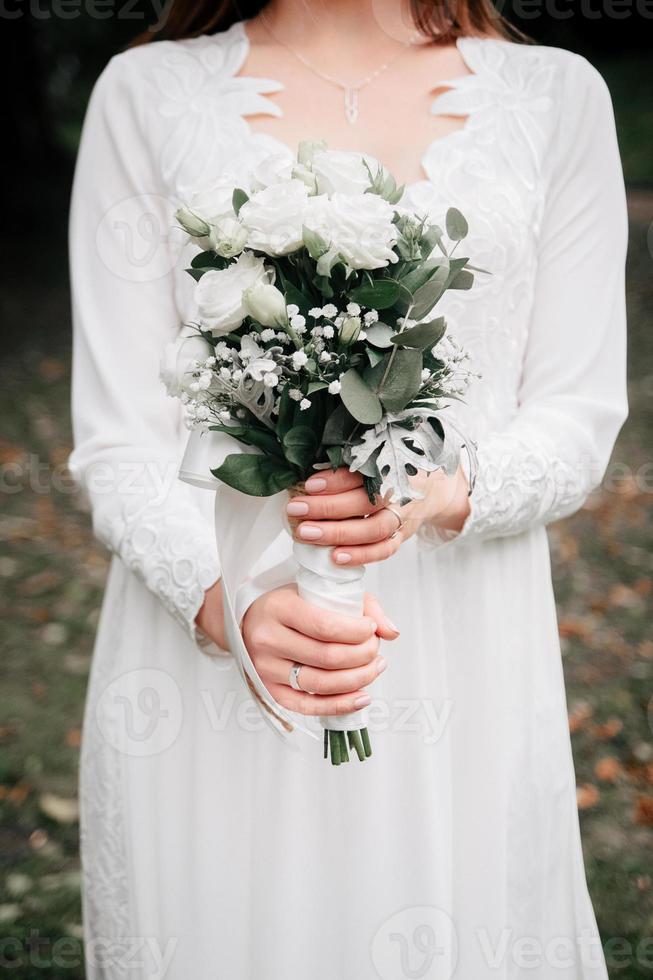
(465,47)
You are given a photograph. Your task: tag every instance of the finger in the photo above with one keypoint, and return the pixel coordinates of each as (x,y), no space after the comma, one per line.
(367,554)
(321,624)
(356,531)
(333,481)
(327,656)
(313,680)
(385,628)
(333,506)
(317,704)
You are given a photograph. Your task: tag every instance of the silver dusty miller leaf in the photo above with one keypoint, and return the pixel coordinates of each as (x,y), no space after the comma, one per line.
(400,450)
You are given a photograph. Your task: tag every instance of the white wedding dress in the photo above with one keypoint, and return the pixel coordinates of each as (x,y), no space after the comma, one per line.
(212,847)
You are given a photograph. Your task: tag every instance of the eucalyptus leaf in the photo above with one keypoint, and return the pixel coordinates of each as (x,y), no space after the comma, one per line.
(462,280)
(428,295)
(359,399)
(397,378)
(378,295)
(423,336)
(379,335)
(456,224)
(256,475)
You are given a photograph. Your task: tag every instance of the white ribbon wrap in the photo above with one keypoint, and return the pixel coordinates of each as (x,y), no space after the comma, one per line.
(338,589)
(249,530)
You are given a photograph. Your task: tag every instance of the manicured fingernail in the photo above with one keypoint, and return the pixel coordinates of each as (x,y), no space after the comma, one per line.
(342,558)
(362,701)
(391,625)
(296,508)
(309,532)
(315,484)
(381,665)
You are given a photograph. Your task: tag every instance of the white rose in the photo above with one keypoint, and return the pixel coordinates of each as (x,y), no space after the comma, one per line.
(342,171)
(273,169)
(266,304)
(274,217)
(178,360)
(219,293)
(357,226)
(228,237)
(215,201)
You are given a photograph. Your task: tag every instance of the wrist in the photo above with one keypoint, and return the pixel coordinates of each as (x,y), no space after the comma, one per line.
(452,504)
(210,617)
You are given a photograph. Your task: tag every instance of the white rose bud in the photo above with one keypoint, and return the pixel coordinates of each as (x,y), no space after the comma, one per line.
(266,304)
(228,237)
(350,329)
(192,223)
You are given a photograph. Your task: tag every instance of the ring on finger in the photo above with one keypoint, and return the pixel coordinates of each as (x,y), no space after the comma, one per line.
(399,526)
(293,677)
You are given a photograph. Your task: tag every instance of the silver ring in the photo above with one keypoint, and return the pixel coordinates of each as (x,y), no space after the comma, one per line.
(400,524)
(293,677)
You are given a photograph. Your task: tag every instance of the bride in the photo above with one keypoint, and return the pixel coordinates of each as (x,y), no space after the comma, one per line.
(212,847)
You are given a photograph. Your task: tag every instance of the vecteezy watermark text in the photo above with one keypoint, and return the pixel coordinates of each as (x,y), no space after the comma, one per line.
(72,9)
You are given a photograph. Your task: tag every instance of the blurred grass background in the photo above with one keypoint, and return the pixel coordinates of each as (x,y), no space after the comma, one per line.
(52,571)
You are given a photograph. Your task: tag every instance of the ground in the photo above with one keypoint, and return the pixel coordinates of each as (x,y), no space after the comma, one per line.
(52,573)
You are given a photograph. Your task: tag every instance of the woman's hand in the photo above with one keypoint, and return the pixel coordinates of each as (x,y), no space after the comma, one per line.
(335,512)
(340,654)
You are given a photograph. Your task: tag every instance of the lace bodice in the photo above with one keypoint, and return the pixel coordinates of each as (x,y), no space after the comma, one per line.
(535,169)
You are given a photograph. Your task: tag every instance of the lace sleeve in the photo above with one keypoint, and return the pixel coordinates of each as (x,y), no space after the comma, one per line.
(572,396)
(128,436)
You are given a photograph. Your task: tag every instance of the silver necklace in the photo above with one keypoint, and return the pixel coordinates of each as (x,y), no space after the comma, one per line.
(350,90)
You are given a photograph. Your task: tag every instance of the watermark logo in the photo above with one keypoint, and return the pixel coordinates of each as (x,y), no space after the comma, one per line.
(417,943)
(140,713)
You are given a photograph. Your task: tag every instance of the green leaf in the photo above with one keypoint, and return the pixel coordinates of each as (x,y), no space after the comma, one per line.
(300,444)
(251,436)
(431,237)
(335,456)
(359,400)
(256,475)
(316,386)
(316,246)
(457,227)
(286,413)
(379,335)
(294,295)
(339,426)
(238,198)
(374,356)
(378,295)
(209,260)
(428,295)
(397,378)
(423,335)
(462,280)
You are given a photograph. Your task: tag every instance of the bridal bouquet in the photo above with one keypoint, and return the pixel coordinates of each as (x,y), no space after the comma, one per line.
(317,346)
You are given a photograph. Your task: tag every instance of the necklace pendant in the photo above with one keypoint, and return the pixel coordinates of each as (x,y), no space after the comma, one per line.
(351,105)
